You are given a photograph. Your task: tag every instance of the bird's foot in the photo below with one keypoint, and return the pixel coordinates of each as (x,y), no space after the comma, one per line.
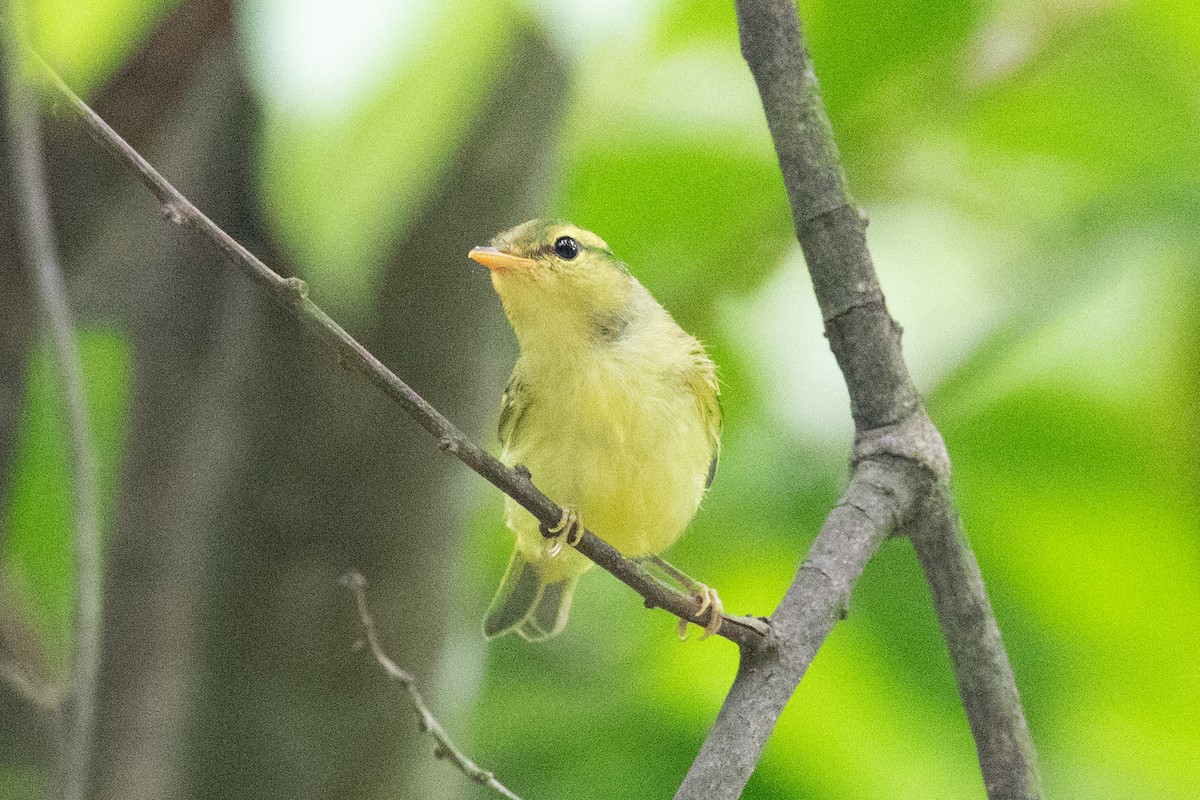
(569,529)
(710,601)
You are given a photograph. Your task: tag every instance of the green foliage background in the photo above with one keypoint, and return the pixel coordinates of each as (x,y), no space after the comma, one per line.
(1032,175)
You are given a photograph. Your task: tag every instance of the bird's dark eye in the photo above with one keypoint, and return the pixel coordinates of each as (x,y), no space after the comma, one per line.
(566,248)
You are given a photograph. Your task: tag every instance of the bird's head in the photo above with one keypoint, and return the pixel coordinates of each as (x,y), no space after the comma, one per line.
(553,272)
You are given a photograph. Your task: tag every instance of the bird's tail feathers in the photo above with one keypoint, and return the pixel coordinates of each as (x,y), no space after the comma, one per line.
(527,603)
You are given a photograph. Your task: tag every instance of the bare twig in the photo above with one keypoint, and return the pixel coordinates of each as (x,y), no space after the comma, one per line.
(901,466)
(292,294)
(38,695)
(981,669)
(445,748)
(37,239)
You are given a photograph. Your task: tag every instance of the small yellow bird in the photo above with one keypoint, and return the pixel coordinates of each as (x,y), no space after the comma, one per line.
(611,406)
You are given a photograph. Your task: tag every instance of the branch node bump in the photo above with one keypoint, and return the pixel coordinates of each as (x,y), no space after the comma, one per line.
(449,443)
(353,579)
(297,286)
(914,438)
(172,212)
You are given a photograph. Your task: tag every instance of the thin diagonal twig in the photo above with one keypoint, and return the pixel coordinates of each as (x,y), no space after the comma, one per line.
(292,294)
(37,237)
(445,747)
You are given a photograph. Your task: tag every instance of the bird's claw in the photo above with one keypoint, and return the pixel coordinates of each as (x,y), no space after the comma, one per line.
(569,529)
(710,601)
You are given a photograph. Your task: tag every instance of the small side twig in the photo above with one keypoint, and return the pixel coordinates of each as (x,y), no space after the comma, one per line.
(981,668)
(445,747)
(41,697)
(37,237)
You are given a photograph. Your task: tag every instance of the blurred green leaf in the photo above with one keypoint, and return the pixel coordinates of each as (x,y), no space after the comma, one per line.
(39,557)
(690,218)
(1175,24)
(855,728)
(341,188)
(88,41)
(878,65)
(20,784)
(673,165)
(1106,94)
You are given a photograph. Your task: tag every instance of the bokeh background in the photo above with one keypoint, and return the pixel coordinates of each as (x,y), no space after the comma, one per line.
(1031,169)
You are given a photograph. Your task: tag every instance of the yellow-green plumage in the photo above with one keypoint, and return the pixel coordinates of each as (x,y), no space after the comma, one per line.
(612,407)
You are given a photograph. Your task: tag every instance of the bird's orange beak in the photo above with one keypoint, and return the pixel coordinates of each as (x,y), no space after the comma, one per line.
(498,260)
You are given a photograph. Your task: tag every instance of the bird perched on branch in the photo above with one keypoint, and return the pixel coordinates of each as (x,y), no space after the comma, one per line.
(611,406)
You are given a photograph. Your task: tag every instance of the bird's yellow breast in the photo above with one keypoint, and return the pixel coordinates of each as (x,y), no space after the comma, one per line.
(615,432)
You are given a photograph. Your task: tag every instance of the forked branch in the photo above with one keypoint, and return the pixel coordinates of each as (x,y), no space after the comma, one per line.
(900,459)
(445,747)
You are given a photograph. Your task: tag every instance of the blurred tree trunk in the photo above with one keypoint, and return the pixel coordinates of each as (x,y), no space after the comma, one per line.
(182,100)
(348,482)
(27,734)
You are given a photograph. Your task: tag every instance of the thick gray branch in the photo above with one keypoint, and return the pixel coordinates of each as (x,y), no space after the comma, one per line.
(868,511)
(864,338)
(900,461)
